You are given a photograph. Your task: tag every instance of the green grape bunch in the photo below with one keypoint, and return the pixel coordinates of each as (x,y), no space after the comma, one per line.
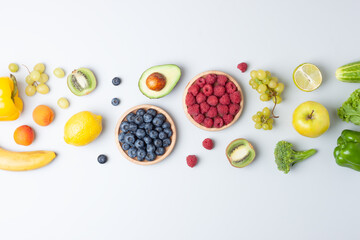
(36,81)
(264,119)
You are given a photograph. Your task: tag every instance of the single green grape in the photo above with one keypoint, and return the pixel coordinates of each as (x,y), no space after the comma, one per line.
(270,126)
(265,126)
(40,67)
(251,82)
(270,121)
(266,112)
(268,74)
(43,78)
(255,85)
(275,79)
(272,84)
(35,75)
(262,88)
(279,88)
(256,118)
(258,125)
(264,97)
(63,103)
(13,67)
(259,114)
(278,99)
(261,74)
(59,72)
(42,88)
(266,81)
(30,90)
(253,74)
(28,80)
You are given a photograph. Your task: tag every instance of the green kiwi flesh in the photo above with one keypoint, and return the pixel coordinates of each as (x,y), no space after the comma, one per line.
(81,81)
(240,153)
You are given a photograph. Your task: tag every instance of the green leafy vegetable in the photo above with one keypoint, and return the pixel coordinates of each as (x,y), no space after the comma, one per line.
(350,110)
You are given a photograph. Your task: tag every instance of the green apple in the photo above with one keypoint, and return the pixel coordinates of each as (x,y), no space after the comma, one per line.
(311,119)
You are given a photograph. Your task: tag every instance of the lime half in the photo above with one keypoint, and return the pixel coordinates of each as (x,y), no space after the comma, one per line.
(307,77)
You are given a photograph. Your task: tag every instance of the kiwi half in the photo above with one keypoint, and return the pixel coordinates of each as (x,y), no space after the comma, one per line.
(240,153)
(81,81)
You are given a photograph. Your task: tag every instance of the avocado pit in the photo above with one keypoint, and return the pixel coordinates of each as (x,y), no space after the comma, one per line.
(156,81)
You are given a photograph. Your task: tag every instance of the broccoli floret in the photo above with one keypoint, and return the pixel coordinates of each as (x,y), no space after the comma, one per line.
(350,110)
(285,156)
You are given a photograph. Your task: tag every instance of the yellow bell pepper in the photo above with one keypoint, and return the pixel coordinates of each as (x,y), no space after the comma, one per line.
(11,104)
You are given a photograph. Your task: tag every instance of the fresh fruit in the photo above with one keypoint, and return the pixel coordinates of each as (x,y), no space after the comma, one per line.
(13,67)
(63,103)
(349,73)
(208,143)
(11,104)
(43,78)
(311,119)
(307,77)
(59,72)
(43,115)
(40,67)
(82,128)
(191,160)
(81,81)
(240,153)
(35,75)
(30,90)
(264,119)
(102,159)
(350,109)
(42,88)
(24,135)
(22,161)
(116,81)
(115,101)
(242,66)
(159,81)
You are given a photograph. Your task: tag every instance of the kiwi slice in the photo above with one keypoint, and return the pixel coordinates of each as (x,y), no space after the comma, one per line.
(240,153)
(81,81)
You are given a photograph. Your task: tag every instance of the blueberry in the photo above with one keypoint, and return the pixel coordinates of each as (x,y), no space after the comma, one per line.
(132,152)
(149,126)
(138,119)
(150,148)
(166,125)
(166,142)
(133,127)
(139,144)
(125,126)
(158,129)
(130,117)
(162,135)
(158,143)
(102,159)
(141,154)
(116,81)
(161,116)
(160,151)
(148,118)
(129,138)
(140,112)
(140,133)
(168,132)
(150,156)
(115,101)
(147,139)
(157,121)
(152,112)
(153,134)
(121,137)
(125,146)
(142,126)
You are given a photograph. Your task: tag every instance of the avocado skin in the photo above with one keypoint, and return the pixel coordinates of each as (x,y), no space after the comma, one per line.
(249,157)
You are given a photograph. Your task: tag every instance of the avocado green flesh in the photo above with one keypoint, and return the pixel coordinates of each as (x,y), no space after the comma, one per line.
(172,74)
(240,153)
(81,82)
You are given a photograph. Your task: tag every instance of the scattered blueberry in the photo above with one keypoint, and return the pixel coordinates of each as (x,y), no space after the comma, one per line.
(159,129)
(141,154)
(158,143)
(139,144)
(152,112)
(121,137)
(125,146)
(115,101)
(166,125)
(142,126)
(166,142)
(153,134)
(130,117)
(125,126)
(150,148)
(129,138)
(160,151)
(149,126)
(161,116)
(132,152)
(148,118)
(116,81)
(140,112)
(162,135)
(157,121)
(150,156)
(133,127)
(168,132)
(138,120)
(140,133)
(147,139)
(102,159)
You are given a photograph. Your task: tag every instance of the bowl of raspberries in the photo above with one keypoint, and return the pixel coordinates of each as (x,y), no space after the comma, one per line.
(213,100)
(145,134)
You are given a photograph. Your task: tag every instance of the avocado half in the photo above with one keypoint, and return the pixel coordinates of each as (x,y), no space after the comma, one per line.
(240,153)
(81,81)
(171,74)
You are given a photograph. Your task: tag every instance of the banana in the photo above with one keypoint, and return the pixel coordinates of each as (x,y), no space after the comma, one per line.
(22,161)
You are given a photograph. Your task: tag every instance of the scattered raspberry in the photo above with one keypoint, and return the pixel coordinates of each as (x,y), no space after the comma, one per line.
(204,107)
(218,122)
(190,99)
(230,87)
(194,89)
(212,100)
(235,97)
(219,90)
(207,90)
(228,118)
(208,122)
(199,118)
(212,112)
(191,160)
(234,109)
(222,109)
(194,110)
(200,98)
(208,143)
(225,99)
(210,78)
(201,82)
(222,79)
(242,66)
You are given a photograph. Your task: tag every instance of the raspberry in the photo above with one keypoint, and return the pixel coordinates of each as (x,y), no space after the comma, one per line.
(207,90)
(201,82)
(194,89)
(191,160)
(210,78)
(190,99)
(212,100)
(199,118)
(212,112)
(225,99)
(208,122)
(234,109)
(228,119)
(204,107)
(194,110)
(208,143)
(230,87)
(235,97)
(219,90)
(218,122)
(242,66)
(222,79)
(222,109)
(200,98)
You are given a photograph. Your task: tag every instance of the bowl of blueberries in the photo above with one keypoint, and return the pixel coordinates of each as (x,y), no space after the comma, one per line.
(145,134)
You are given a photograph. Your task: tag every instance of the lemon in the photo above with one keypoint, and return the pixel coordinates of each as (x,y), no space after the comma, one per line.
(307,77)
(82,128)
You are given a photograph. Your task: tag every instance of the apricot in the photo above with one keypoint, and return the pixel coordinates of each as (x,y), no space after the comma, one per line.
(43,115)
(156,81)
(24,135)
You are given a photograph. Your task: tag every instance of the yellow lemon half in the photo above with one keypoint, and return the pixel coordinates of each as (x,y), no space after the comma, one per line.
(307,77)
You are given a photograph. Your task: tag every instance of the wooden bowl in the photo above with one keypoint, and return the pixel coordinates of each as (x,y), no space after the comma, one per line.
(241,104)
(168,149)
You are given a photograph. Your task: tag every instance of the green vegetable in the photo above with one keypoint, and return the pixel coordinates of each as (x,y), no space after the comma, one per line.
(285,156)
(350,110)
(347,152)
(349,73)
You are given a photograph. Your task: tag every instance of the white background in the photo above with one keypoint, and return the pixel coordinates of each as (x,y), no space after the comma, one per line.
(77,198)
